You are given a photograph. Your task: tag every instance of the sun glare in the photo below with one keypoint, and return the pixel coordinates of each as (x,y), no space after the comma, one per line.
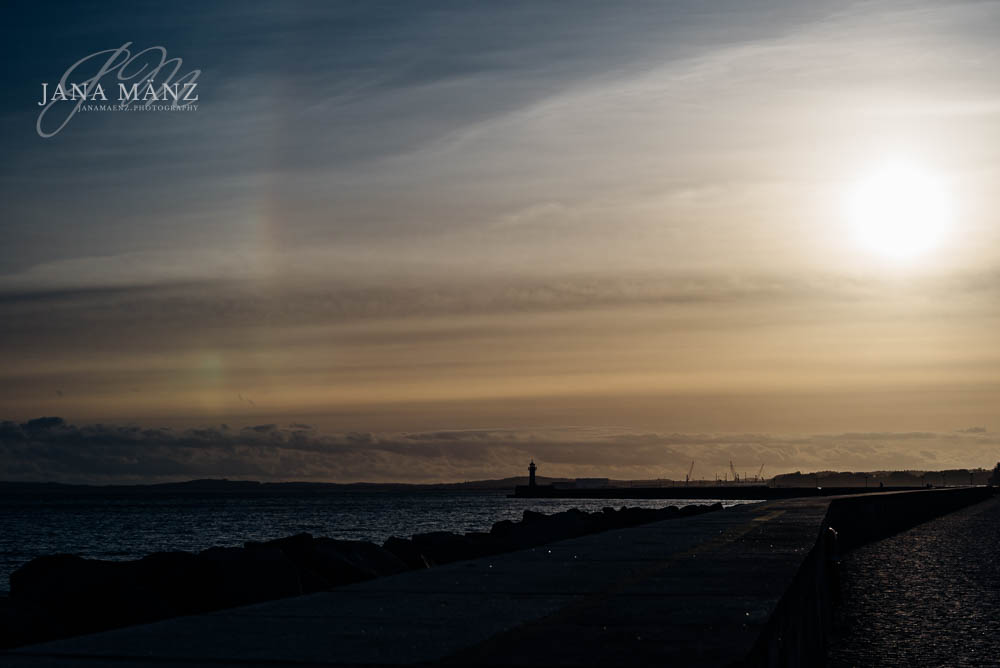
(899,210)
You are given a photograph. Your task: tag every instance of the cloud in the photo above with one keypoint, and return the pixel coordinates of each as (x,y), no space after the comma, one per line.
(50,449)
(346,296)
(263,428)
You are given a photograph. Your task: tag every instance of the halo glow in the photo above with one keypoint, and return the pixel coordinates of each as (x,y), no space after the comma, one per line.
(899,211)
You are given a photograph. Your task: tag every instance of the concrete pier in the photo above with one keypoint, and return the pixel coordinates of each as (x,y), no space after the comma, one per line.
(744,586)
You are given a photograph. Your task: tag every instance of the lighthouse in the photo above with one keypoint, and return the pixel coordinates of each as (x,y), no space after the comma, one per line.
(531,473)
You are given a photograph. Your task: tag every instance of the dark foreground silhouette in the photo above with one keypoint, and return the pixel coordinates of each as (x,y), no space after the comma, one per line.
(64,595)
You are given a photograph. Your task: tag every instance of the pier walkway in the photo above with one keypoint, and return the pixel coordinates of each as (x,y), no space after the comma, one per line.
(742,586)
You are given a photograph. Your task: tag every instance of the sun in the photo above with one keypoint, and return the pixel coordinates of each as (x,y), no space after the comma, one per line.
(899,210)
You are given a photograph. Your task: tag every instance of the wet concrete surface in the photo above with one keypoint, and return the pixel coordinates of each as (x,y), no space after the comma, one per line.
(929,596)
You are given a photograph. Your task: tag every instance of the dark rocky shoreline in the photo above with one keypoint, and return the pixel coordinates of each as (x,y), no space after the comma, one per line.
(57,596)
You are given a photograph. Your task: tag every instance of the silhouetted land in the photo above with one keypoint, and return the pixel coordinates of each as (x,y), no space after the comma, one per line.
(223,486)
(829,479)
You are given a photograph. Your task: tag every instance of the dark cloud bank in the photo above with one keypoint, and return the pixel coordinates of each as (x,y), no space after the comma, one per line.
(50,449)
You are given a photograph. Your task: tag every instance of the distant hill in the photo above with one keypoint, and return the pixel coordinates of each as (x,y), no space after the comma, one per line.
(224,486)
(950,477)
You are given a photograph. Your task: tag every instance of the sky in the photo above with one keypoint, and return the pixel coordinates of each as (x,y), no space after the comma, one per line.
(429,241)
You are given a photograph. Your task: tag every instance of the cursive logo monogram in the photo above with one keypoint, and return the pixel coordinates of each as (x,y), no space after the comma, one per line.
(136,81)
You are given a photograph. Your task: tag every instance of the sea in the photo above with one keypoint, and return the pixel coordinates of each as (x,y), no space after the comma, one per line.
(117,526)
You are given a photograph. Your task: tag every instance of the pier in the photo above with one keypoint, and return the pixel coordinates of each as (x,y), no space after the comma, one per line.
(748,492)
(748,586)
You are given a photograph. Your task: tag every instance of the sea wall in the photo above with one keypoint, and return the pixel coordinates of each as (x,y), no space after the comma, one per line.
(863,519)
(798,632)
(745,492)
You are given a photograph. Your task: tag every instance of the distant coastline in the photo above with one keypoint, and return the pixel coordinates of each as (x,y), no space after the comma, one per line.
(223,485)
(872,479)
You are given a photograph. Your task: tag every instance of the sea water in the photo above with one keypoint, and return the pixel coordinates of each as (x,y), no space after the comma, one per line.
(119,526)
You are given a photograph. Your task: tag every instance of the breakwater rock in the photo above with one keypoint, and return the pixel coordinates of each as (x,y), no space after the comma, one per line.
(63,595)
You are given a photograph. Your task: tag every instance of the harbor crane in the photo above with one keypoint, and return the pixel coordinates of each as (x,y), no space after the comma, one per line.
(760,474)
(732,469)
(687,478)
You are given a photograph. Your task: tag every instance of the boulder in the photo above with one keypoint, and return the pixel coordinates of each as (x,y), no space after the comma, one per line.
(300,549)
(485,544)
(444,547)
(55,579)
(347,561)
(240,576)
(568,524)
(690,510)
(16,625)
(68,594)
(519,536)
(168,584)
(407,552)
(667,513)
(502,529)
